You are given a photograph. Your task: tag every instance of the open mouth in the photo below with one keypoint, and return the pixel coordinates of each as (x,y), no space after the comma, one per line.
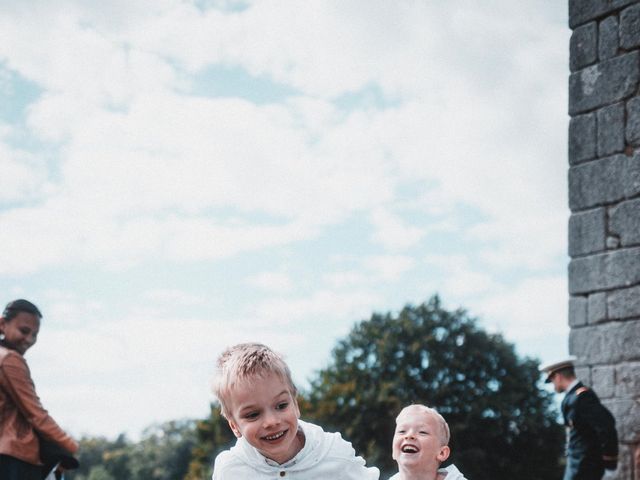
(275,437)
(409,449)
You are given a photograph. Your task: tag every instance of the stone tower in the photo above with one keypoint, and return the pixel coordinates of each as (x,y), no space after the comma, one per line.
(604,197)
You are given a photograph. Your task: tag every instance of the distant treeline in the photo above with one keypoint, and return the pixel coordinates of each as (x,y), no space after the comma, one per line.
(503,425)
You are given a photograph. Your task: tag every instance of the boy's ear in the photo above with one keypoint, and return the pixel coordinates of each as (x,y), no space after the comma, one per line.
(443,454)
(234,428)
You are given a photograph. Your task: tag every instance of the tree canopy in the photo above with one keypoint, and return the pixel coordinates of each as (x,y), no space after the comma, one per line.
(163,453)
(502,425)
(214,436)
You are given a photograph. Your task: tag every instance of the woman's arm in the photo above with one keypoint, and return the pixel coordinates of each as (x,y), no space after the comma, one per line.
(21,389)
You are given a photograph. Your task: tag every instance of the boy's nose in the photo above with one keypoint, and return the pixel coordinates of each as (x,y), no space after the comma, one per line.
(270,419)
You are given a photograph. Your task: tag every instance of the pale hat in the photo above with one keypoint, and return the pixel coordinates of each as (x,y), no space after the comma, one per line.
(551,368)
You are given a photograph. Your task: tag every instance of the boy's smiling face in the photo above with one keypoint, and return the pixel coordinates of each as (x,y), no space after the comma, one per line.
(417,442)
(265,413)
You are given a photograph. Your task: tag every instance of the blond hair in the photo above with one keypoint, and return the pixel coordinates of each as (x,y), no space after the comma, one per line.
(444,433)
(245,362)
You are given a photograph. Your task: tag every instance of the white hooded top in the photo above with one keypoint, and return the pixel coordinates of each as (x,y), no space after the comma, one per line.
(324,456)
(452,474)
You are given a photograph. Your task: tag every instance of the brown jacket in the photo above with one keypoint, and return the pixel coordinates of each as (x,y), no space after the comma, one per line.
(22,414)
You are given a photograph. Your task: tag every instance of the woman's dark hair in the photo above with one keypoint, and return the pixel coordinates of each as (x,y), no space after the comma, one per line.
(14,308)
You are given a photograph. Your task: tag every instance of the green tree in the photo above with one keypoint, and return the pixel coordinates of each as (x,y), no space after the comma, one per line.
(164,451)
(213,436)
(502,425)
(99,473)
(111,455)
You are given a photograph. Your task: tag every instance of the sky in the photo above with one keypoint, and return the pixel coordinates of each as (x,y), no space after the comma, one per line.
(182,175)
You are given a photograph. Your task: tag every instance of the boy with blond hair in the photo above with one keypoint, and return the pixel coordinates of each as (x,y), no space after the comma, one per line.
(258,398)
(421,444)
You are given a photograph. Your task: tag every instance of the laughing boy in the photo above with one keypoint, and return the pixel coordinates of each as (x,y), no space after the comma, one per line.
(258,398)
(421,444)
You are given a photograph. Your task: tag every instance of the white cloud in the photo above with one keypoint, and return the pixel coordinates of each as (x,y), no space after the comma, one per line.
(67,310)
(533,240)
(368,271)
(322,305)
(344,279)
(392,232)
(159,150)
(460,278)
(173,297)
(279,282)
(389,267)
(23,178)
(535,309)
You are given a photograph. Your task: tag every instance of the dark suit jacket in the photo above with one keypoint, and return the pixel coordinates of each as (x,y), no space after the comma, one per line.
(592,438)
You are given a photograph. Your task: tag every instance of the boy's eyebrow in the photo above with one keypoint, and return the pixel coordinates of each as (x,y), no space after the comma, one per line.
(251,405)
(421,426)
(247,408)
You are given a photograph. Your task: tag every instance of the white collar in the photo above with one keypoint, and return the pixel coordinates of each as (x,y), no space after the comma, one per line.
(572,384)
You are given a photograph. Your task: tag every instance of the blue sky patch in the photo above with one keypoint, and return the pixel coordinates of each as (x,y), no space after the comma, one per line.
(235,82)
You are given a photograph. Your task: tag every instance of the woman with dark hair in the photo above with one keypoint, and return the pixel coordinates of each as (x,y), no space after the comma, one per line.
(24,423)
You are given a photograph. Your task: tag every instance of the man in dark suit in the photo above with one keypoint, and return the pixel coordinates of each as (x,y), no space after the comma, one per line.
(592,441)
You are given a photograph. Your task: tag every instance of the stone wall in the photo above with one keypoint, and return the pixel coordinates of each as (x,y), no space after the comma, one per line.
(604,197)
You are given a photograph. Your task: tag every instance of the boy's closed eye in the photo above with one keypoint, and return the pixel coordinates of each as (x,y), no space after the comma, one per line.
(251,415)
(282,405)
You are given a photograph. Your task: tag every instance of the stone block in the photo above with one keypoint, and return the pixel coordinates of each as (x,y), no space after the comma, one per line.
(604,83)
(604,271)
(628,380)
(605,181)
(627,415)
(582,11)
(587,232)
(583,46)
(632,131)
(586,342)
(582,138)
(597,308)
(629,339)
(603,380)
(624,222)
(611,129)
(624,303)
(608,38)
(607,343)
(577,311)
(584,374)
(630,27)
